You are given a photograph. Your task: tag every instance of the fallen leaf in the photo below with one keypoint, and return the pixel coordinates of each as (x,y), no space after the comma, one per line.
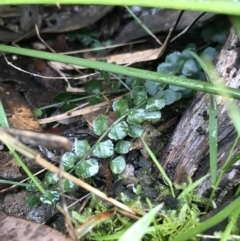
(18,112)
(16,229)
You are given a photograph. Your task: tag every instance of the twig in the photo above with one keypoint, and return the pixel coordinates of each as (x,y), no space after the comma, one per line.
(71,113)
(46,77)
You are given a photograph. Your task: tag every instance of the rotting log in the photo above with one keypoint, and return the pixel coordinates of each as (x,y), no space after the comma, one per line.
(187,154)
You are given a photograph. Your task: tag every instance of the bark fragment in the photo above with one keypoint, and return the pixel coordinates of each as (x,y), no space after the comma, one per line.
(187,154)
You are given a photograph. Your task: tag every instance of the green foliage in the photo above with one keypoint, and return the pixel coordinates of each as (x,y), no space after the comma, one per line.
(81,147)
(65,99)
(136,116)
(93,87)
(118,131)
(32,200)
(154,104)
(181,63)
(172,223)
(120,107)
(31,186)
(166,226)
(38,112)
(215,34)
(87,38)
(122,147)
(50,196)
(68,185)
(103,149)
(143,103)
(100,124)
(118,164)
(135,130)
(51,178)
(87,168)
(69,159)
(140,228)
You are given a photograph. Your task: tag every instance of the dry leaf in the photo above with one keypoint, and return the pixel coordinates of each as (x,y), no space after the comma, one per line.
(16,229)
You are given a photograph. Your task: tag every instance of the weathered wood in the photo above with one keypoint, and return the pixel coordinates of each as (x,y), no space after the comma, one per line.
(187,152)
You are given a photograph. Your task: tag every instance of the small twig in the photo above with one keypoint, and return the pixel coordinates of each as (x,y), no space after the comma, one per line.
(69,88)
(42,139)
(187,28)
(71,113)
(68,223)
(28,34)
(143,25)
(46,77)
(79,200)
(108,175)
(102,48)
(84,203)
(43,42)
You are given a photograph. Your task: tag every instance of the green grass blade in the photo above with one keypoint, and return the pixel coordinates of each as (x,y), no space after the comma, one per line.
(3,118)
(219,217)
(147,30)
(138,229)
(213,138)
(213,123)
(215,6)
(113,68)
(192,187)
(236,23)
(4,123)
(232,221)
(14,183)
(233,110)
(156,162)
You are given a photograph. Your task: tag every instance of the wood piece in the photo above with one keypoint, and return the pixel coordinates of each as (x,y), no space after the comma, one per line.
(187,152)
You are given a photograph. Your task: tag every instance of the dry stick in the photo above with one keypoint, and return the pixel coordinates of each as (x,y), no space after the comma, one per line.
(102,48)
(188,27)
(143,26)
(69,87)
(32,154)
(43,42)
(68,223)
(42,139)
(47,77)
(28,34)
(70,114)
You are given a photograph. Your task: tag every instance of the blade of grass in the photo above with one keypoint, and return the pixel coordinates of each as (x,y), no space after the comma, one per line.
(14,183)
(212,126)
(219,217)
(236,23)
(143,25)
(226,166)
(213,138)
(233,112)
(192,186)
(113,68)
(4,123)
(214,6)
(138,229)
(3,118)
(156,162)
(231,222)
